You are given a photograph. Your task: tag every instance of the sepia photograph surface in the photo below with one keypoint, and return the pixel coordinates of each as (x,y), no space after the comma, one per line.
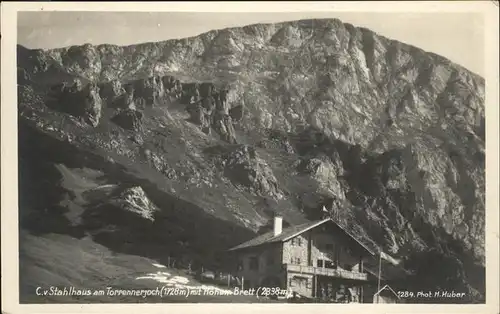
(304,157)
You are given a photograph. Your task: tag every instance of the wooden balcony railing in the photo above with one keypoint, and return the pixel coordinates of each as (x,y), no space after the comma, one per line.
(338,273)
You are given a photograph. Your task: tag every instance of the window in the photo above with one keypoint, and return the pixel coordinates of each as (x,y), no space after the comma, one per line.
(319,263)
(296,241)
(330,264)
(254,263)
(296,260)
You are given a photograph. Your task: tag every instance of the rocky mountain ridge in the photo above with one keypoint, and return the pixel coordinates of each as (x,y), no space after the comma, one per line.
(286,118)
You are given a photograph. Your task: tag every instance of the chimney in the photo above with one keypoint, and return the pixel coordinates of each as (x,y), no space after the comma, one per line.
(278,225)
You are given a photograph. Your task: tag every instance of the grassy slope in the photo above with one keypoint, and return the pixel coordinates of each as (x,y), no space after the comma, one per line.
(55,259)
(63,261)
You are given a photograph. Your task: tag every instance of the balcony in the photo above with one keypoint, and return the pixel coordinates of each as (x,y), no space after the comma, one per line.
(337,273)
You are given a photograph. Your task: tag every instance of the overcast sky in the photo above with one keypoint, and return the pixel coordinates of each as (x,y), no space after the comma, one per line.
(456,36)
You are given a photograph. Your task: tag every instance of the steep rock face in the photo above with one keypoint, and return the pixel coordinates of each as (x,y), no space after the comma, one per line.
(129,119)
(80,60)
(206,103)
(208,107)
(173,86)
(148,90)
(243,166)
(326,172)
(390,137)
(111,91)
(81,100)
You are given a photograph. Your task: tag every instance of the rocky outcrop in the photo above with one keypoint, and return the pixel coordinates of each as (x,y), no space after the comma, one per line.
(91,104)
(84,61)
(141,93)
(326,173)
(150,90)
(242,165)
(172,86)
(135,201)
(223,124)
(34,61)
(208,107)
(110,91)
(79,99)
(129,119)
